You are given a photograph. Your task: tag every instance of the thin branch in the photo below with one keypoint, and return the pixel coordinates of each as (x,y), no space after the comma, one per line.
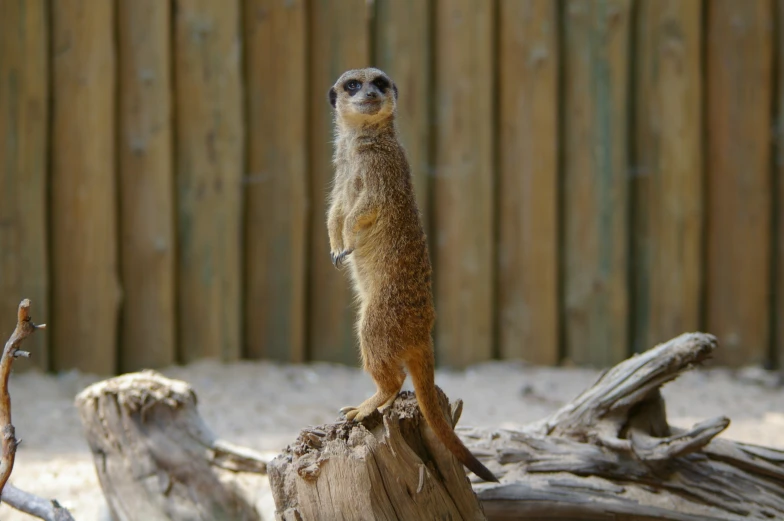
(24,328)
(46,509)
(235,458)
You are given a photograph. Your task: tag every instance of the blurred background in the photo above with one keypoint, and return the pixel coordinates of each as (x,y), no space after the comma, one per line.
(596,176)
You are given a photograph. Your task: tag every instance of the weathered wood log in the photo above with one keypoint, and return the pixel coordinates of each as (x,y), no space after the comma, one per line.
(611,454)
(391,467)
(155,457)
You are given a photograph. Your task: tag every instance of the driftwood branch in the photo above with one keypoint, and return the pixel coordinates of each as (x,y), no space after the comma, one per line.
(24,328)
(608,454)
(48,510)
(611,453)
(390,467)
(155,457)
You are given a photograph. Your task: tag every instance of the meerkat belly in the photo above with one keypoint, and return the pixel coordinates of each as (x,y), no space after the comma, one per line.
(395,284)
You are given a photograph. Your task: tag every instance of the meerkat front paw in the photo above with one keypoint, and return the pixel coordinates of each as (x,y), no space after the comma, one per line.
(337,257)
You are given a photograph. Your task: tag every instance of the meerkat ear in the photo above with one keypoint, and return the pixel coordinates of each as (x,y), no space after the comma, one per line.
(394,88)
(333,97)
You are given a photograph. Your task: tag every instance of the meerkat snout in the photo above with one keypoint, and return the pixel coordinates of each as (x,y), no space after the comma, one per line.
(363,93)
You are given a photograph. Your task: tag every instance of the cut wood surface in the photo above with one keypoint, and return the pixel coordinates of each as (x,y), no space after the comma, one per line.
(146,182)
(528,317)
(595,207)
(210,162)
(391,467)
(276,195)
(610,454)
(339,41)
(155,457)
(24,140)
(403,50)
(85,285)
(667,201)
(739,73)
(464,182)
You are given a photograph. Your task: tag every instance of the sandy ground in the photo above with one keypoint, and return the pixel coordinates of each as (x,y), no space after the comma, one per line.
(263,406)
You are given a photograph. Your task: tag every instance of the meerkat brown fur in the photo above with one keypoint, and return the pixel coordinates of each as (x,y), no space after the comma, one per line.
(375,227)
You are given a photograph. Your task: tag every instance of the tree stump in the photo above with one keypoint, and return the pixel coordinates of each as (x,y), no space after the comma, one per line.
(390,467)
(155,457)
(610,454)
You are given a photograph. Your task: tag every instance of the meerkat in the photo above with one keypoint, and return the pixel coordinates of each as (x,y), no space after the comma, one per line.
(375,228)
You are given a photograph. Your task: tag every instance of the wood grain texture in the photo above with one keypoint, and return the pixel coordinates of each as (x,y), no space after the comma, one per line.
(778,175)
(339,41)
(390,468)
(611,454)
(667,174)
(528,320)
(143,424)
(276,186)
(595,180)
(146,184)
(85,287)
(402,50)
(739,75)
(24,147)
(209,167)
(464,182)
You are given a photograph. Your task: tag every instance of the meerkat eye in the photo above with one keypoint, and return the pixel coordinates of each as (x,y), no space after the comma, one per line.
(353,86)
(382,83)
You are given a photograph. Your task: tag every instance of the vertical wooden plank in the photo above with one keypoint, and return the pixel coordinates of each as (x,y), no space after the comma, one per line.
(778,173)
(739,75)
(276,187)
(209,165)
(24,147)
(464,182)
(595,180)
(668,197)
(402,50)
(146,185)
(339,40)
(85,291)
(528,181)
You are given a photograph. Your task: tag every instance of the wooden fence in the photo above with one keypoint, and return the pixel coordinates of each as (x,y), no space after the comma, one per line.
(596,175)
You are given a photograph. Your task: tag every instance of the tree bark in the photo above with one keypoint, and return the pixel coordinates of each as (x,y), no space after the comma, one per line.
(154,455)
(610,454)
(391,467)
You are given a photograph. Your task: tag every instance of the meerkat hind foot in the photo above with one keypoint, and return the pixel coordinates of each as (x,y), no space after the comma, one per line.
(358,413)
(368,407)
(388,403)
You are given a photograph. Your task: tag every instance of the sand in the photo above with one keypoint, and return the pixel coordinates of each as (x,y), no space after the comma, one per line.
(263,405)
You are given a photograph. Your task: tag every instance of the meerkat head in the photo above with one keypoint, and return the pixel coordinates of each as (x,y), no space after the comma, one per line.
(363,96)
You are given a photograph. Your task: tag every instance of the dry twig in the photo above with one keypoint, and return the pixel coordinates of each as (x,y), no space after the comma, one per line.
(23,501)
(24,328)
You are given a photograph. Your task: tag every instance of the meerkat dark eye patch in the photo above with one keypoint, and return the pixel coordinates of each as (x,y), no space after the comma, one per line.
(352,87)
(394,88)
(333,97)
(381,83)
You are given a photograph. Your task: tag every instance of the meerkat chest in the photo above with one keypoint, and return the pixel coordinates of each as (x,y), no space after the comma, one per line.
(350,180)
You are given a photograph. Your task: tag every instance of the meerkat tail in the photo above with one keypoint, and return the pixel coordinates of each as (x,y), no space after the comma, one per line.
(421,367)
